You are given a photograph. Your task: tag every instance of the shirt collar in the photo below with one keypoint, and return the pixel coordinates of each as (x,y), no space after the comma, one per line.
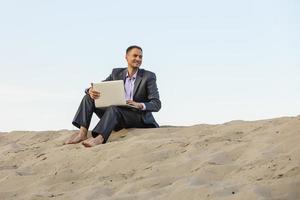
(134,75)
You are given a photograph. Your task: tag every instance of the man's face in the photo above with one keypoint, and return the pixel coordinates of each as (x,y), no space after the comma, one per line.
(134,58)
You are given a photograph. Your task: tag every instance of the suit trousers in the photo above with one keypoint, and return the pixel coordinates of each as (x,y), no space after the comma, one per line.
(111,118)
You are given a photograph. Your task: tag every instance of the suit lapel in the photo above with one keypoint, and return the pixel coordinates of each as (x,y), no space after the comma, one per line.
(123,75)
(138,80)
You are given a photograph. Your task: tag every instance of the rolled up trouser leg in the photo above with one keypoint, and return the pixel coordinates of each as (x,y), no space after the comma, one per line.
(84,113)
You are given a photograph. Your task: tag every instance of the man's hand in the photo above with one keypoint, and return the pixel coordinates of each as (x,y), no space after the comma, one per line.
(136,104)
(93,93)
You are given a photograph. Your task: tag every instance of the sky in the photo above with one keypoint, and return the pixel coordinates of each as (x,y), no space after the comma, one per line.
(215,61)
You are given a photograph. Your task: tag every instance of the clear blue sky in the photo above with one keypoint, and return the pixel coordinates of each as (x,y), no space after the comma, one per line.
(215,61)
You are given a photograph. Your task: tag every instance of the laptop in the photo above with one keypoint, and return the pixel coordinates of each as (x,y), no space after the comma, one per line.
(112,94)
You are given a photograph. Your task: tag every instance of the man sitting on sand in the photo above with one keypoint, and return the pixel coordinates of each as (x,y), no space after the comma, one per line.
(140,91)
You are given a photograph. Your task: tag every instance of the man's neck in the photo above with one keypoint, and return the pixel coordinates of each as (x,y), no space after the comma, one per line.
(131,71)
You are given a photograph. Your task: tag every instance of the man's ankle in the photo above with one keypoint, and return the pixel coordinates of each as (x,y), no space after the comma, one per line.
(82,134)
(83,131)
(100,137)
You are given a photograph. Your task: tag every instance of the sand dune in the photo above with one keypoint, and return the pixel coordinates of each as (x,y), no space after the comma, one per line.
(235,160)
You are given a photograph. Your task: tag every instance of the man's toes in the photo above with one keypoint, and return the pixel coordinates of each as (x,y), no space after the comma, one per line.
(74,139)
(86,144)
(71,139)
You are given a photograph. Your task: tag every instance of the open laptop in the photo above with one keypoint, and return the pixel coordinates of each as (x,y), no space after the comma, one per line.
(112,94)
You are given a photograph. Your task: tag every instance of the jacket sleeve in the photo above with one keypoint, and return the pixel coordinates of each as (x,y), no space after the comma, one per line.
(154,104)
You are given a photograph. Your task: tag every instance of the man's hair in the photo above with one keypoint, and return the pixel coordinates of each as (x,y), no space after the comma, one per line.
(133,47)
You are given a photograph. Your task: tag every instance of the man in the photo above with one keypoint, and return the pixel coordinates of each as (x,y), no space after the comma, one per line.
(140,91)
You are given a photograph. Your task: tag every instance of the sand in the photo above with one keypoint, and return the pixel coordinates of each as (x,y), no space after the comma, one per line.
(235,160)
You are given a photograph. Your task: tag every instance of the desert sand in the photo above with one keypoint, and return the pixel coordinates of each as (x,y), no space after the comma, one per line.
(235,160)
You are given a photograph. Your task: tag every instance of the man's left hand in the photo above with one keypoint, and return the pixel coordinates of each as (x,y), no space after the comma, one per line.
(136,104)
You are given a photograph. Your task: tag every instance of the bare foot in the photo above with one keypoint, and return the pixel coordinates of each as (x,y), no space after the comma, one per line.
(91,142)
(76,138)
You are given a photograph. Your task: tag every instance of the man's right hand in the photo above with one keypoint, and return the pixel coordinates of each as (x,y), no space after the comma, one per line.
(93,93)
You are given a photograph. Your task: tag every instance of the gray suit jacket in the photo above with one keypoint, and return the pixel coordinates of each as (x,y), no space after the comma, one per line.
(145,91)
